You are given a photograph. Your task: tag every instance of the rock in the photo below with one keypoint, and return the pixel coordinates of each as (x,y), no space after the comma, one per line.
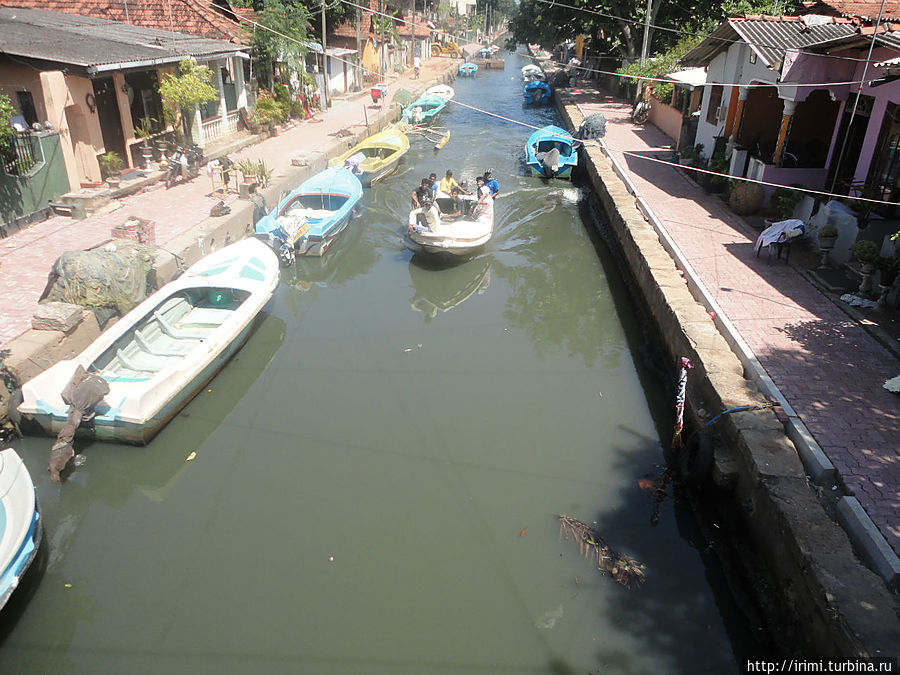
(61,316)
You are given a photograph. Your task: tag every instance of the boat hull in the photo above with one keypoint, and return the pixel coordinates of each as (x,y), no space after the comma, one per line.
(20,524)
(537,170)
(153,364)
(317,246)
(141,432)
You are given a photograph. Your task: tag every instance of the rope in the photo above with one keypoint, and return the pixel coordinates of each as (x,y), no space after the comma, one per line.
(763,406)
(679,402)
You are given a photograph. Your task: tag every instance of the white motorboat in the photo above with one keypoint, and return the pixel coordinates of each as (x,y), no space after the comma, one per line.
(443,91)
(20,522)
(160,354)
(432,231)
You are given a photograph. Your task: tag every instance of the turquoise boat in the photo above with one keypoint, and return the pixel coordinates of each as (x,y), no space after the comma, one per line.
(423,110)
(309,219)
(551,153)
(537,92)
(468,69)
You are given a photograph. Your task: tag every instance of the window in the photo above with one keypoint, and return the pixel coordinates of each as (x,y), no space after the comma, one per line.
(26,105)
(715,101)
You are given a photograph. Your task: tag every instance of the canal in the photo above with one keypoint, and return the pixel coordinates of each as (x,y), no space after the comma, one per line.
(371,485)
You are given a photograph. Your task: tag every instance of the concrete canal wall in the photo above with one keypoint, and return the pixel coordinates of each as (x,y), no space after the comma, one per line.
(797,563)
(36,350)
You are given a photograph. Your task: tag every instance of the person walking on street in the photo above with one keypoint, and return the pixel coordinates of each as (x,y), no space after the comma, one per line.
(416,64)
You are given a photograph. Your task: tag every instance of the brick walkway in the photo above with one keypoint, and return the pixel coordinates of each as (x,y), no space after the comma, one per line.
(27,256)
(826,365)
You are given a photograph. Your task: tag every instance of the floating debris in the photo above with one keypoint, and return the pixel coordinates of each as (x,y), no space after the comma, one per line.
(623,568)
(658,489)
(190,457)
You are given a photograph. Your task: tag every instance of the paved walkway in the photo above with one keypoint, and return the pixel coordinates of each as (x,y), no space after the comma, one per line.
(826,365)
(27,256)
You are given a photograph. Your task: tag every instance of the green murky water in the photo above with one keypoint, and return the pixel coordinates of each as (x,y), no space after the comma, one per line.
(378,470)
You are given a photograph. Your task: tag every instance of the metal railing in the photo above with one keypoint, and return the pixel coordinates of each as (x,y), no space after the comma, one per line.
(21,155)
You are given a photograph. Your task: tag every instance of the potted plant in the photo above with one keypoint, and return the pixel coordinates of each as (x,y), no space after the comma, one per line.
(111,166)
(827,235)
(888,268)
(263,173)
(247,167)
(866,252)
(144,130)
(783,202)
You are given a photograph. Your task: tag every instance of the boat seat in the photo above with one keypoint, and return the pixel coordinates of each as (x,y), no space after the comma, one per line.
(142,342)
(131,365)
(173,332)
(206,316)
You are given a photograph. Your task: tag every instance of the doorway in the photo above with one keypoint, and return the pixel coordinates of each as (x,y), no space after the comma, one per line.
(108,113)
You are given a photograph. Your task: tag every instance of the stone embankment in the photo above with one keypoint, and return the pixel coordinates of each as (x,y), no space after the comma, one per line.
(797,563)
(36,350)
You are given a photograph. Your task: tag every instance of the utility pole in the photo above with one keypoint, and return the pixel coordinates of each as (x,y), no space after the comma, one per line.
(383,50)
(324,58)
(646,46)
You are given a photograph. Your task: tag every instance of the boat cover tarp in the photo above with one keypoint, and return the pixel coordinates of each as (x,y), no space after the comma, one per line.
(114,276)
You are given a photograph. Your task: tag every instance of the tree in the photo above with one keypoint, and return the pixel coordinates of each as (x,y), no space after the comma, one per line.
(7,112)
(285,26)
(186,90)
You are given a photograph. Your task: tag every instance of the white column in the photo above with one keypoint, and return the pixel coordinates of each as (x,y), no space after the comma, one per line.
(220,85)
(237,69)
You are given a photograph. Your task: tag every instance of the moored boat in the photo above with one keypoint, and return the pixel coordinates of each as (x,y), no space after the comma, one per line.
(443,91)
(423,110)
(536,92)
(485,53)
(532,72)
(468,69)
(432,232)
(551,152)
(20,522)
(375,157)
(308,220)
(160,354)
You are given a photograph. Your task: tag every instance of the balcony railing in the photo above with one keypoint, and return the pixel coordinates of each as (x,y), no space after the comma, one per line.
(216,127)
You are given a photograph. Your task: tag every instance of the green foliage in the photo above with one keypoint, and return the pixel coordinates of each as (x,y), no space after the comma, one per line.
(7,112)
(827,231)
(144,128)
(111,163)
(866,251)
(386,24)
(660,66)
(783,200)
(190,87)
(284,27)
(270,110)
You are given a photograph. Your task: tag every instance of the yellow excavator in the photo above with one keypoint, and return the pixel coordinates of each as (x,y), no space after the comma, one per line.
(445,48)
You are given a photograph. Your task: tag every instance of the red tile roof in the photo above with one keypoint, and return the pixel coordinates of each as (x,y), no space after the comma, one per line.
(195,17)
(347,28)
(865,9)
(423,30)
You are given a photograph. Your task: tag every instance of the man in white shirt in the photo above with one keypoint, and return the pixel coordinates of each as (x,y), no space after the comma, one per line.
(416,64)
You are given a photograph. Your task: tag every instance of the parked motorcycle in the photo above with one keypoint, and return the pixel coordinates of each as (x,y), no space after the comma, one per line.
(641,112)
(185,162)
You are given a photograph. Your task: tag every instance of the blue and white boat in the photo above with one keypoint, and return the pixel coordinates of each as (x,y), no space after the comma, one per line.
(20,522)
(537,92)
(468,69)
(551,152)
(485,53)
(423,110)
(309,219)
(165,350)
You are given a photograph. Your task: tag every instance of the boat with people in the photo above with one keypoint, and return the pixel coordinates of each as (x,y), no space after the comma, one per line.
(532,72)
(537,92)
(375,157)
(444,91)
(551,152)
(467,69)
(20,523)
(485,53)
(308,220)
(423,110)
(164,351)
(432,230)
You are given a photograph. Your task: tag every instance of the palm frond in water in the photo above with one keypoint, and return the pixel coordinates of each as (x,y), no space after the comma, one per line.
(623,568)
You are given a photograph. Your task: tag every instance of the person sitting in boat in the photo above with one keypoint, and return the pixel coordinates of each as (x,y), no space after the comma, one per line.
(492,184)
(455,205)
(426,218)
(448,183)
(432,177)
(420,193)
(485,198)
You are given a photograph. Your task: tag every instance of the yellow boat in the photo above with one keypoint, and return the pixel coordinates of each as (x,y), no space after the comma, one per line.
(375,157)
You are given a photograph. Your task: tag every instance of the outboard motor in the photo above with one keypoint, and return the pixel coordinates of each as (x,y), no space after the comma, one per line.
(550,161)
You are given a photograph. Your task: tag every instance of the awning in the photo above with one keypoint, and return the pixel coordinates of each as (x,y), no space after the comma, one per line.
(692,77)
(890,63)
